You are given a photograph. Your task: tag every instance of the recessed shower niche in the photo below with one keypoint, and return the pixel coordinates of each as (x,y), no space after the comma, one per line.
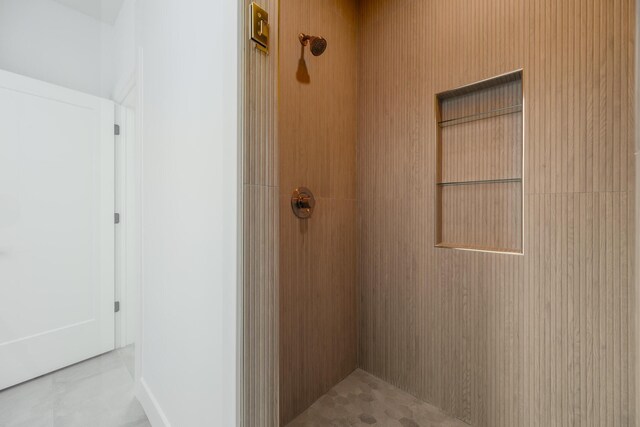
(479,165)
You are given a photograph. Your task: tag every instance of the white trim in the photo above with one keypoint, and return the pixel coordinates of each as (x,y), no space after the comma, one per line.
(149,403)
(128,199)
(140,164)
(41,89)
(120,282)
(121,93)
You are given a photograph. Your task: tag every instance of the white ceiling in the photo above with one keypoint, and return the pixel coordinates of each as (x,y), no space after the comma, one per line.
(102,10)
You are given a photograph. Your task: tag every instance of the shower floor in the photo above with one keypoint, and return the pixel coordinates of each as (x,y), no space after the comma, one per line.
(362,399)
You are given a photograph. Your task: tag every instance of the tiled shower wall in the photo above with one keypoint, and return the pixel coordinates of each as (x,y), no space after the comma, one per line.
(260,377)
(317,146)
(539,339)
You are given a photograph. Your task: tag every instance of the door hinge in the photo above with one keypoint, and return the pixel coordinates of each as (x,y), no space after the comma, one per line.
(116,129)
(116,218)
(116,306)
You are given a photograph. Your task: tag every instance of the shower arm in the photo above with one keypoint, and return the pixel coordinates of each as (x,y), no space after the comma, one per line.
(304,38)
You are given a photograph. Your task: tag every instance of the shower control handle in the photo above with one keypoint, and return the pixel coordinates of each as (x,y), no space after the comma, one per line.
(302,202)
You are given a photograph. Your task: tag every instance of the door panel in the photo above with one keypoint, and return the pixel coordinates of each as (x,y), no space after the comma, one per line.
(56,227)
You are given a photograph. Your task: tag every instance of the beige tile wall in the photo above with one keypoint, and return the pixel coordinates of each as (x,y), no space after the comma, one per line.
(542,339)
(317,146)
(260,377)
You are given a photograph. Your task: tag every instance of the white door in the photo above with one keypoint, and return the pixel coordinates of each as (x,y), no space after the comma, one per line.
(56,227)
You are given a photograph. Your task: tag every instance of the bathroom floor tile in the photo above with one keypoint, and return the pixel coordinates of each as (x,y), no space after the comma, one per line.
(97,392)
(364,400)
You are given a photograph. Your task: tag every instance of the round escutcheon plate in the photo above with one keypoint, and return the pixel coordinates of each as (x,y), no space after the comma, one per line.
(302,202)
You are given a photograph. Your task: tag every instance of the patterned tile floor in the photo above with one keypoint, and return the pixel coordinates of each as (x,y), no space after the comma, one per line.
(363,400)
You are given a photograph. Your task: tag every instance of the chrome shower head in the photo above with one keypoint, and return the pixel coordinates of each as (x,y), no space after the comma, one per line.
(317,45)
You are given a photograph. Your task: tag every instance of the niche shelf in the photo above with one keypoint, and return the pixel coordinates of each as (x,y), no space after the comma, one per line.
(479,135)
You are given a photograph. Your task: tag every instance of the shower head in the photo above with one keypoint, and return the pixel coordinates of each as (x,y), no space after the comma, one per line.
(317,45)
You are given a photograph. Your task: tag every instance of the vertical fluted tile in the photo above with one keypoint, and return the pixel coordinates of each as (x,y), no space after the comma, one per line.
(317,146)
(260,233)
(501,340)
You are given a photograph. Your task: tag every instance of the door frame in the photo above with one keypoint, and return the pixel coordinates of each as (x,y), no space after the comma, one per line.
(127,198)
(129,253)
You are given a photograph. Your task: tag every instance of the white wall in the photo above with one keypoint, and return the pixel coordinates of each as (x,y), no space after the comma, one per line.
(190,179)
(190,187)
(124,49)
(54,43)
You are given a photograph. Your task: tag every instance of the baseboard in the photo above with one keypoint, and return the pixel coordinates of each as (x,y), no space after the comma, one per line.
(156,416)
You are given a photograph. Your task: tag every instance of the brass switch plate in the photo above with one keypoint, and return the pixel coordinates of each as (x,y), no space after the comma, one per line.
(260,27)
